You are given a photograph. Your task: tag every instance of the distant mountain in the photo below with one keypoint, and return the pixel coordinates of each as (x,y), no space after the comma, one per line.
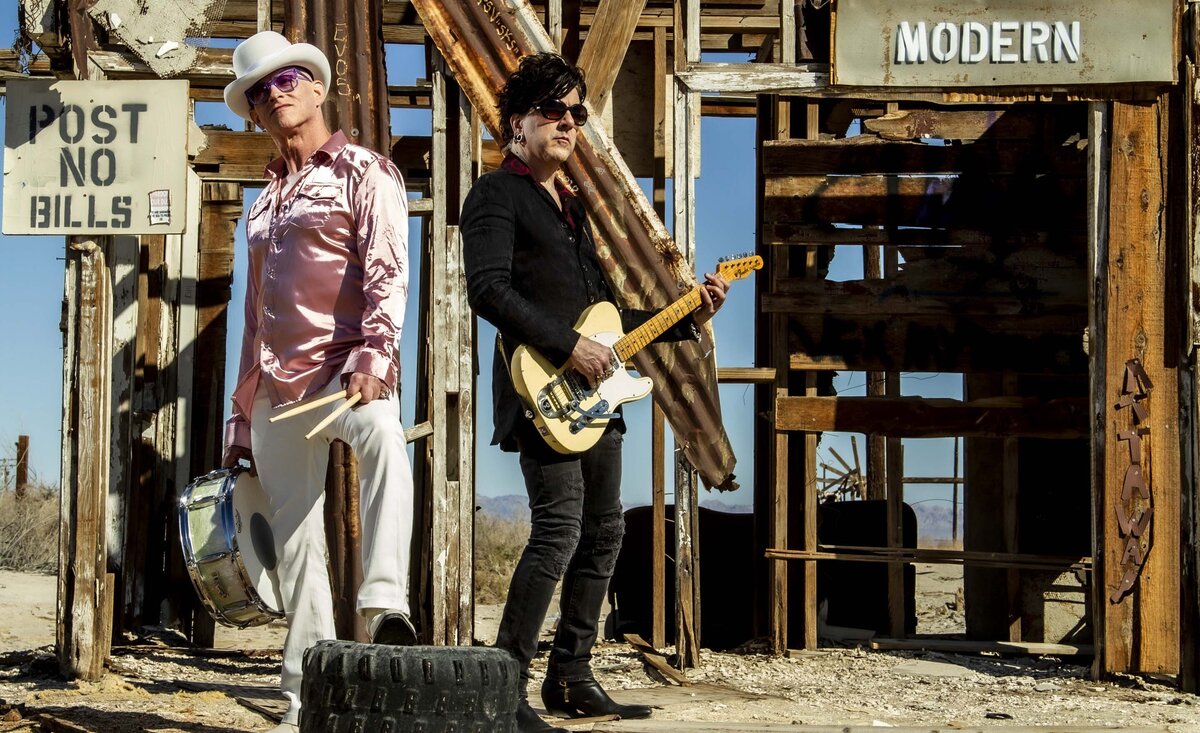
(512,507)
(515,507)
(935,521)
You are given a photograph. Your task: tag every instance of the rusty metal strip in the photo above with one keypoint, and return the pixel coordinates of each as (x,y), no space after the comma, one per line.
(482,41)
(350,32)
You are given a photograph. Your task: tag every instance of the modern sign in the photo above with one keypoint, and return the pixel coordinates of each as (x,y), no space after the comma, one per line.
(987,43)
(95,157)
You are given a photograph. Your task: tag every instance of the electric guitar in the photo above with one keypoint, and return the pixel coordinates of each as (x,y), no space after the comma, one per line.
(570,414)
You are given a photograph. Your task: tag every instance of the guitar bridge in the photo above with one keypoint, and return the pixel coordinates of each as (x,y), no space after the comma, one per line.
(563,398)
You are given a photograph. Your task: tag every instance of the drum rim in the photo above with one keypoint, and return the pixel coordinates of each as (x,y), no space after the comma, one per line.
(224,501)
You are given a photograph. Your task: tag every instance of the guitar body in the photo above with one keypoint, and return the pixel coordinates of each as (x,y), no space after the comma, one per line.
(569,414)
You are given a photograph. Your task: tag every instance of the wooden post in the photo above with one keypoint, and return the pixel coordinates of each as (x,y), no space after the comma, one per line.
(658,486)
(450,342)
(85,593)
(895,488)
(123,268)
(22,465)
(687,549)
(1137,590)
(812,131)
(876,387)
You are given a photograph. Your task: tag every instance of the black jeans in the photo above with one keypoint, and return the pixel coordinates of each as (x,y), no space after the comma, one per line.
(575,534)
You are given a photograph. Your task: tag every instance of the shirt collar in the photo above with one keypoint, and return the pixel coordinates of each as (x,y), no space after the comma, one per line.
(333,146)
(518,167)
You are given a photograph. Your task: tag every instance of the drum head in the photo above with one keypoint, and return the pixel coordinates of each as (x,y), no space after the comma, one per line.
(255,541)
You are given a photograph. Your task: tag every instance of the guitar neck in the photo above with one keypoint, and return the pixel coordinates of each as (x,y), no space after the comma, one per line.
(636,340)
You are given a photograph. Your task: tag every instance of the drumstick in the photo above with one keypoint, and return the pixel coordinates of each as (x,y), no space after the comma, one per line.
(300,409)
(330,417)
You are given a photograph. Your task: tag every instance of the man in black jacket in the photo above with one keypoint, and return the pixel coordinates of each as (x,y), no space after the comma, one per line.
(531,271)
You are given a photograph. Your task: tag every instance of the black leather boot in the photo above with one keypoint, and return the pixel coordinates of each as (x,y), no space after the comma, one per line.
(530,722)
(584,699)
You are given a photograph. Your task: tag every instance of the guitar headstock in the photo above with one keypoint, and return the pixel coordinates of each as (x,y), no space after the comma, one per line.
(736,267)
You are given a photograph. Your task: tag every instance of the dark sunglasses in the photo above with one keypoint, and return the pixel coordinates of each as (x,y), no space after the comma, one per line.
(286,81)
(554,110)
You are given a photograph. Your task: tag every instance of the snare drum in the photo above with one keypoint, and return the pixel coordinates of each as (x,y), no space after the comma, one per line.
(229,548)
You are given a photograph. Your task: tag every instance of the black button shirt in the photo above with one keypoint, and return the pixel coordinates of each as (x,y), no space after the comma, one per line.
(531,271)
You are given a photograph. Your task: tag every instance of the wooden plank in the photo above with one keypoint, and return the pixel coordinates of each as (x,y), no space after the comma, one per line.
(443,522)
(756,78)
(124,278)
(894,473)
(746,375)
(657,661)
(998,123)
(84,639)
(958,293)
(1140,629)
(956,646)
(809,490)
(235,155)
(1099,149)
(1059,563)
(603,51)
(1002,236)
(658,529)
(866,155)
(983,200)
(919,417)
(941,343)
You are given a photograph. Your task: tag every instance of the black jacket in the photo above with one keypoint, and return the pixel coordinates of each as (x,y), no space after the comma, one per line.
(531,271)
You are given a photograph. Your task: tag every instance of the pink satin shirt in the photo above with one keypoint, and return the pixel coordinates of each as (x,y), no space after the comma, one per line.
(328,278)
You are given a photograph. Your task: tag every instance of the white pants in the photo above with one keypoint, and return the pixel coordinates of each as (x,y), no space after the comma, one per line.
(292,472)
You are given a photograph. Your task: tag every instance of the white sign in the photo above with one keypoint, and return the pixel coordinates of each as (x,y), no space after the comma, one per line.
(95,157)
(990,43)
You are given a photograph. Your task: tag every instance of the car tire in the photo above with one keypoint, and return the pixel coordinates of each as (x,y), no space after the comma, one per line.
(372,688)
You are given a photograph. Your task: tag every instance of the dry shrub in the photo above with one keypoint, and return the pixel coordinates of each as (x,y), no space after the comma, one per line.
(29,530)
(498,546)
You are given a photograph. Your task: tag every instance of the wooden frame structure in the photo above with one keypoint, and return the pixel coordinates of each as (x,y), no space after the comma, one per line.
(1119,158)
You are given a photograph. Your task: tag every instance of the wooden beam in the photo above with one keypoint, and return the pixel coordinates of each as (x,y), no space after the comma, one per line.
(85,593)
(1059,300)
(604,49)
(933,344)
(916,124)
(1140,628)
(919,417)
(865,155)
(796,79)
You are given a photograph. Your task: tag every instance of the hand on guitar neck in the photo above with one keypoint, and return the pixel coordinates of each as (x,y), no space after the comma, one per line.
(712,297)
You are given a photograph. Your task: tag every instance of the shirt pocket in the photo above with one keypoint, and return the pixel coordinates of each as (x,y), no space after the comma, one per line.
(315,203)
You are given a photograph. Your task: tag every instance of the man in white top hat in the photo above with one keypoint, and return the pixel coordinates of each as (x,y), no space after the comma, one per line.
(325,298)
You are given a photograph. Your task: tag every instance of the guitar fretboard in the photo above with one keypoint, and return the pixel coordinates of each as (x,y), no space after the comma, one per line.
(636,340)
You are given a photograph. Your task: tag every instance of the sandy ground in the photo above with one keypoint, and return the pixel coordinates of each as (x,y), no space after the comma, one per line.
(836,685)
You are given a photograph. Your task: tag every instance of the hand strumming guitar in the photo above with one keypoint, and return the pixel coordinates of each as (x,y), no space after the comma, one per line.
(591,359)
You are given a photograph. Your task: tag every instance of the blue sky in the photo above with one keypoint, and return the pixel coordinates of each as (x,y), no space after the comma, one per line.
(31,293)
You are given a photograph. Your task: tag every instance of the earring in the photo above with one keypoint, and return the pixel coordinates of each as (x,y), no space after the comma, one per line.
(519,138)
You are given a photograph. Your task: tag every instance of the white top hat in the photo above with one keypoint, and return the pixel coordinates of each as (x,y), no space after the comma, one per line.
(264,53)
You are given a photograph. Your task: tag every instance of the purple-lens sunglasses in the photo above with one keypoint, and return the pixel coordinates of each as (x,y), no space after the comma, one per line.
(285,79)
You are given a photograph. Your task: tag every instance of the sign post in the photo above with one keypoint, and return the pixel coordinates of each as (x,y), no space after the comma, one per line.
(95,157)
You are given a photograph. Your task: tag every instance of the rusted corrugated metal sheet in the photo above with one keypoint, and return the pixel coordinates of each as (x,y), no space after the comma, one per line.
(482,41)
(350,32)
